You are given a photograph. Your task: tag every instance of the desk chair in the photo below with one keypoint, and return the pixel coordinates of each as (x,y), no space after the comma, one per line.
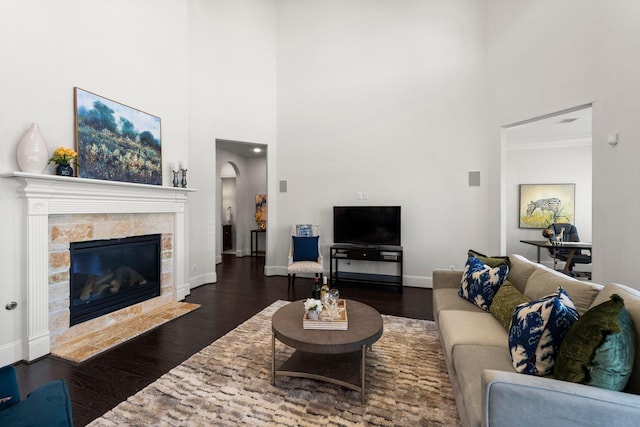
(304,253)
(569,233)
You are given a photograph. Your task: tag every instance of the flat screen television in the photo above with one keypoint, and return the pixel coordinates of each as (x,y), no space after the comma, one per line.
(367,225)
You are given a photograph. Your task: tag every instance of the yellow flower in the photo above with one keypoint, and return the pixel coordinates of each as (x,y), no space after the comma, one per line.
(64,155)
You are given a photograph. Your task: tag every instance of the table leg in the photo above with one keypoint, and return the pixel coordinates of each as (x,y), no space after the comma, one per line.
(362,374)
(565,270)
(273,358)
(538,254)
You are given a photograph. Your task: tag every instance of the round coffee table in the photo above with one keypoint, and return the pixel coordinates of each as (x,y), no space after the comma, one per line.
(334,356)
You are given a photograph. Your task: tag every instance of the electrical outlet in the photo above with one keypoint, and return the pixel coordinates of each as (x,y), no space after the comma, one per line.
(194,268)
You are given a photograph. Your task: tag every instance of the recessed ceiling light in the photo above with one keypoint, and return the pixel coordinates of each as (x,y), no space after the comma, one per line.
(257,150)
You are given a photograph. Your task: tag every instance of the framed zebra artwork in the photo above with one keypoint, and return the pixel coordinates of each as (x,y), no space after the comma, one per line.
(544,204)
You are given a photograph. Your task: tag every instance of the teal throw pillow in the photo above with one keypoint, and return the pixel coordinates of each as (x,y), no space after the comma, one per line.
(537,330)
(480,282)
(305,248)
(505,302)
(600,348)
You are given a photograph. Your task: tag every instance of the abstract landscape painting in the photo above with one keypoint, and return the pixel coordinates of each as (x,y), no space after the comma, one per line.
(116,142)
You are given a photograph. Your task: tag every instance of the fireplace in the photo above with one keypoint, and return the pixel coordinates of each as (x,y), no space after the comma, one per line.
(108,275)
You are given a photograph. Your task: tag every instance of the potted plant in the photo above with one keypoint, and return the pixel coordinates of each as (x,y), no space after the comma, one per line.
(62,157)
(312,308)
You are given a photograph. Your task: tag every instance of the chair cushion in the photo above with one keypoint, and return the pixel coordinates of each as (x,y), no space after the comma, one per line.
(599,348)
(9,393)
(537,330)
(48,405)
(480,282)
(305,267)
(305,248)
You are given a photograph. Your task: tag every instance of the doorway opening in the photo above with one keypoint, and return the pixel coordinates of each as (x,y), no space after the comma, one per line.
(242,175)
(552,149)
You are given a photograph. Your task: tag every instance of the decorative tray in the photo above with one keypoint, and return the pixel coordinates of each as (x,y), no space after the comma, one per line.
(339,324)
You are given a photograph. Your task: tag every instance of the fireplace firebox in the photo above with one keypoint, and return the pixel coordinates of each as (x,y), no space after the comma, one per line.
(108,275)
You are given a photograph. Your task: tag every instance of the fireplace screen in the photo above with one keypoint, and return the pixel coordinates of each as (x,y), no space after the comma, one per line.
(107,275)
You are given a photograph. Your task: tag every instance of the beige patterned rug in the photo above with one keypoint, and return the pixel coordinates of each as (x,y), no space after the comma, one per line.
(229,383)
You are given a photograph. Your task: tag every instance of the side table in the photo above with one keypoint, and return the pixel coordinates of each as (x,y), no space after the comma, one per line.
(254,242)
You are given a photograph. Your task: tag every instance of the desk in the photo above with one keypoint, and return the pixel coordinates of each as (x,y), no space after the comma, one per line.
(572,246)
(254,242)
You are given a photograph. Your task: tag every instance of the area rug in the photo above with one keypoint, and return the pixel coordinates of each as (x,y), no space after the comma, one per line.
(229,383)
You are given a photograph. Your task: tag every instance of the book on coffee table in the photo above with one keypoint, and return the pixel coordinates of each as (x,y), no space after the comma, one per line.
(339,324)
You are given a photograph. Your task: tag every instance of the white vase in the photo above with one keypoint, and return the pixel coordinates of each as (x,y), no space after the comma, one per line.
(33,154)
(312,315)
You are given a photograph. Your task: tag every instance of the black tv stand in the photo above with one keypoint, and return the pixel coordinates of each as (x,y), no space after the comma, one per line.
(374,253)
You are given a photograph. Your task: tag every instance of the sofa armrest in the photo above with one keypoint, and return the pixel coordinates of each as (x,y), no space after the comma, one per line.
(446,279)
(510,399)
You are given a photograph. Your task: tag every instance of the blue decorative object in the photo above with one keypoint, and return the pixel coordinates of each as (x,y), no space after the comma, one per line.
(305,248)
(304,230)
(537,330)
(480,282)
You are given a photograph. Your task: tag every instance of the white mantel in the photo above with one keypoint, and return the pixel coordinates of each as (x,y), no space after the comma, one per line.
(56,195)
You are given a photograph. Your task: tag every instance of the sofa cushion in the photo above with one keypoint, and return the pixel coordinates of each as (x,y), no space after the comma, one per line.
(469,362)
(632,304)
(480,282)
(491,261)
(467,327)
(537,330)
(599,348)
(520,271)
(448,299)
(545,281)
(505,302)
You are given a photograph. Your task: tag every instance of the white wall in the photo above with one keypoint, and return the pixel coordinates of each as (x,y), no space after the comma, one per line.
(557,165)
(578,58)
(232,95)
(134,52)
(616,175)
(385,98)
(207,68)
(251,179)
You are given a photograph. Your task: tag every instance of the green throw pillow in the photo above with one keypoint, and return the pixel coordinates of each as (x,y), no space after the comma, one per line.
(599,348)
(491,261)
(504,303)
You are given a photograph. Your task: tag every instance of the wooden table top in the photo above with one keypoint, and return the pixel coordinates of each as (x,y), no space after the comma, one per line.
(365,328)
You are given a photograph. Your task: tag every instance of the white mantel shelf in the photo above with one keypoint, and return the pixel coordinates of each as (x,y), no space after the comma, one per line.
(47,195)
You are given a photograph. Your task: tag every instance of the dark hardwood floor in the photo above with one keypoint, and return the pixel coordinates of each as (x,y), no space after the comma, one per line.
(242,290)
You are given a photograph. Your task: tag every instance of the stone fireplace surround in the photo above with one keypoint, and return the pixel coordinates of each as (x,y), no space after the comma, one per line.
(59,210)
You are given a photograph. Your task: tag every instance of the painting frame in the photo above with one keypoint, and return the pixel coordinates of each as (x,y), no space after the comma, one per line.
(116,142)
(261,211)
(541,205)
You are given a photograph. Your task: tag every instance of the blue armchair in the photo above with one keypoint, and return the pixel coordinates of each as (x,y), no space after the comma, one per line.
(48,405)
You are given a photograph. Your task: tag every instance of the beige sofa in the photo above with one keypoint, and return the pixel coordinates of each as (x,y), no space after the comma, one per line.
(489,392)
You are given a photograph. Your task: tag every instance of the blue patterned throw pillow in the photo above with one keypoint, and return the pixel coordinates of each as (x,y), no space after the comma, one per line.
(480,282)
(537,330)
